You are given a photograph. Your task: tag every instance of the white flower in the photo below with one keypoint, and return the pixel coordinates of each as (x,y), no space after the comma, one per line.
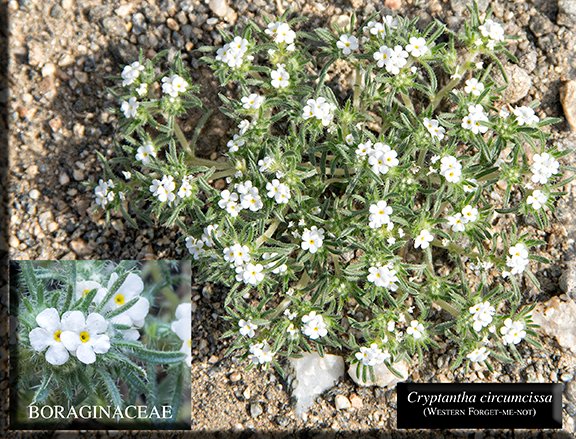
(379,29)
(261,353)
(252,101)
(228,198)
(492,30)
(451,169)
(130,107)
(279,191)
(416,329)
(265,164)
(247,328)
(424,239)
(544,167)
(145,153)
(129,290)
(478,355)
(281,33)
(235,143)
(174,85)
(182,327)
(233,52)
(103,193)
(372,356)
(434,128)
(525,116)
(142,89)
(249,196)
(456,222)
(364,149)
(185,190)
(48,335)
(280,77)
(320,109)
(347,44)
(382,56)
(237,254)
(392,59)
(244,126)
(469,214)
(383,277)
(518,259)
(382,158)
(85,337)
(473,121)
(417,47)
(513,332)
(131,72)
(379,214)
(251,273)
(312,239)
(503,113)
(482,315)
(211,231)
(537,199)
(195,247)
(474,87)
(349,139)
(314,326)
(164,189)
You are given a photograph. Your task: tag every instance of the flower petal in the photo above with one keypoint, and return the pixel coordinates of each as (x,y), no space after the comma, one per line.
(184,310)
(113,278)
(132,286)
(101,344)
(49,319)
(86,286)
(182,328)
(40,339)
(96,324)
(86,354)
(139,311)
(73,321)
(57,354)
(131,334)
(70,340)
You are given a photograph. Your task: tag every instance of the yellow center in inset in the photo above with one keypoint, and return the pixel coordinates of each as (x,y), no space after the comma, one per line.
(189,342)
(119,299)
(84,337)
(85,292)
(57,335)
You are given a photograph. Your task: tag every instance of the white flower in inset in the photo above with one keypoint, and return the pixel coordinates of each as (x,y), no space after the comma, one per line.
(482,315)
(130,289)
(513,332)
(416,329)
(85,337)
(103,193)
(261,353)
(314,326)
(544,167)
(145,153)
(474,87)
(518,259)
(525,116)
(383,276)
(469,214)
(252,101)
(423,239)
(280,77)
(312,239)
(372,356)
(247,328)
(537,200)
(164,189)
(130,107)
(48,335)
(195,247)
(434,128)
(347,44)
(379,214)
(83,287)
(182,327)
(174,85)
(456,222)
(417,47)
(131,72)
(478,355)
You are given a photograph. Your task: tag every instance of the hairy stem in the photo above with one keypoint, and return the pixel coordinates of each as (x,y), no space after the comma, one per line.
(453,82)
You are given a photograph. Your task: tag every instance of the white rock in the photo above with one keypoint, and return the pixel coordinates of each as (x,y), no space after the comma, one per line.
(313,375)
(383,376)
(342,403)
(558,319)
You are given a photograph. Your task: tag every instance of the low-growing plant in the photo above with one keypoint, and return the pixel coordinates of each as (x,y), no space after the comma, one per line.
(372,191)
(86,337)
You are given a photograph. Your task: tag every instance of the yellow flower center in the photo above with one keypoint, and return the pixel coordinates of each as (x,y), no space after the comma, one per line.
(119,299)
(84,336)
(85,292)
(189,342)
(57,335)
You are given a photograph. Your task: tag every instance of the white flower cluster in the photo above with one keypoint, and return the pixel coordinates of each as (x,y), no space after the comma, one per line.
(518,259)
(252,102)
(281,33)
(474,87)
(233,53)
(312,239)
(260,353)
(380,215)
(247,328)
(537,199)
(434,128)
(482,315)
(246,196)
(196,246)
(513,332)
(384,276)
(77,335)
(313,326)
(478,355)
(416,330)
(320,109)
(174,85)
(182,327)
(347,44)
(164,189)
(493,31)
(131,72)
(280,77)
(381,157)
(450,169)
(379,29)
(543,167)
(103,193)
(393,59)
(145,153)
(130,107)
(473,122)
(280,192)
(372,356)
(525,116)
(459,220)
(238,256)
(423,239)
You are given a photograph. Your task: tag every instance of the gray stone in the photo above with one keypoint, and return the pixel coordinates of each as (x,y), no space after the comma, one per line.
(256,409)
(519,83)
(342,402)
(382,375)
(568,280)
(541,25)
(114,26)
(223,10)
(568,100)
(566,13)
(459,6)
(557,319)
(314,375)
